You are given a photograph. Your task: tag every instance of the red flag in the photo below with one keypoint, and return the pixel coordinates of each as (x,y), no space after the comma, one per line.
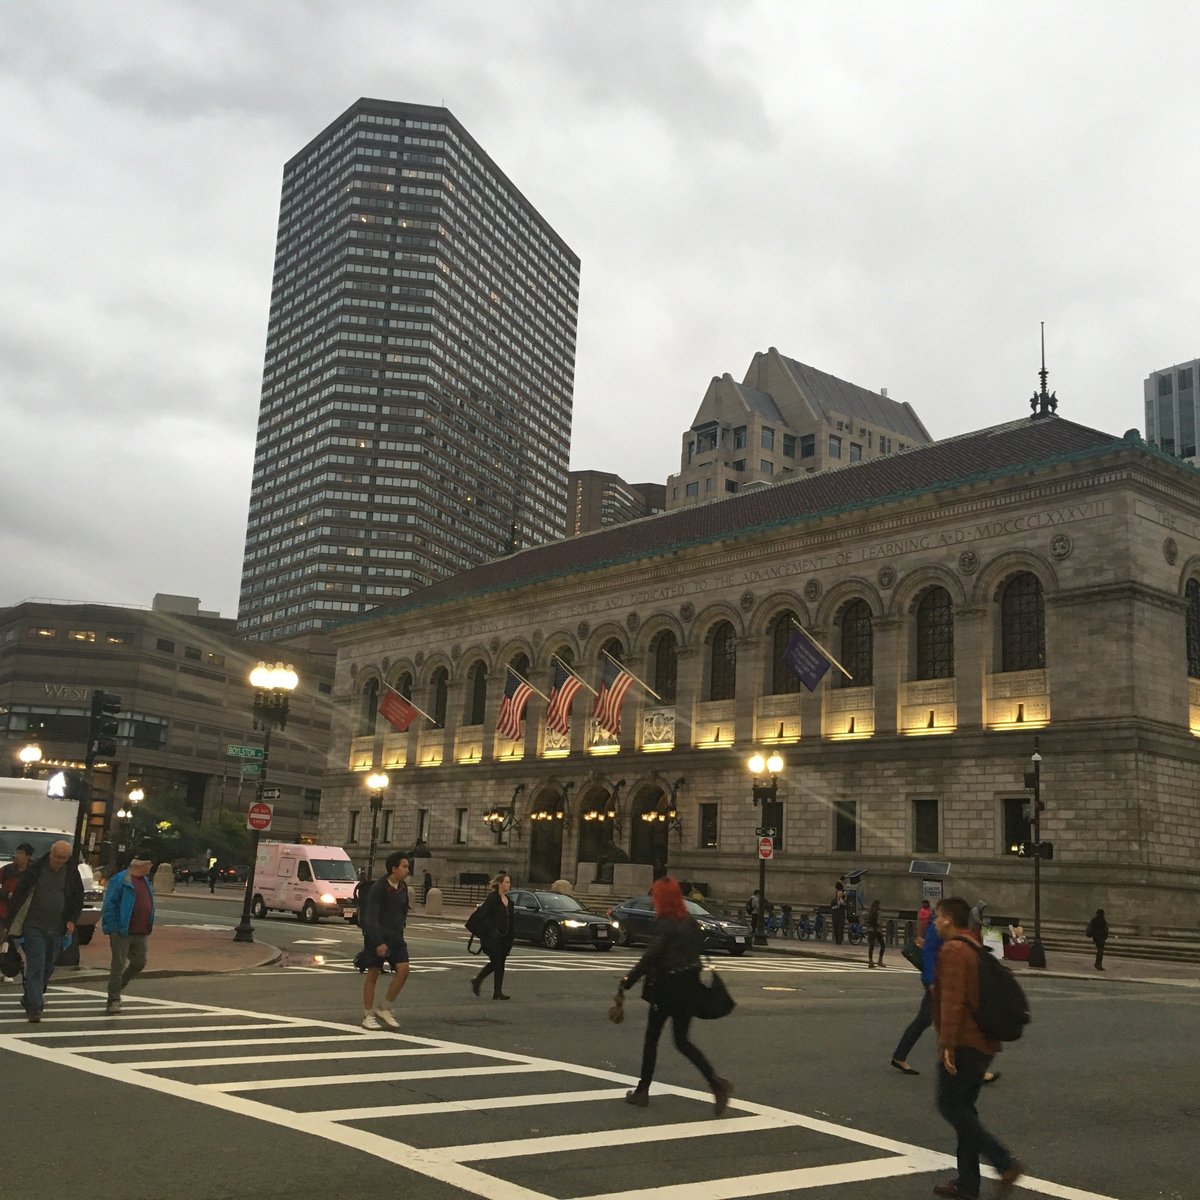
(398,712)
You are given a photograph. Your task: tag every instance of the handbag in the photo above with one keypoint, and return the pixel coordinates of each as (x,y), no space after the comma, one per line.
(477,922)
(616,1011)
(713,1000)
(915,955)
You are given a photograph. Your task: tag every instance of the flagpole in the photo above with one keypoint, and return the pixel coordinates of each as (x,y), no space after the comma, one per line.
(822,649)
(631,674)
(410,703)
(530,686)
(573,673)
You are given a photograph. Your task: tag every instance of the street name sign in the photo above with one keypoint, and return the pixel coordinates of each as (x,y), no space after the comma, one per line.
(766,847)
(243,752)
(259,817)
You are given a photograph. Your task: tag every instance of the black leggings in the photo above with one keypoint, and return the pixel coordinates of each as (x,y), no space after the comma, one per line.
(495,966)
(654,1027)
(874,938)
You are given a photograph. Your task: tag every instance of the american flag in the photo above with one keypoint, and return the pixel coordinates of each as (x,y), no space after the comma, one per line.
(562,692)
(512,707)
(615,681)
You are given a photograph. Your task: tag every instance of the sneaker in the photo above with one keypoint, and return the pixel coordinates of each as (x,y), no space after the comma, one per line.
(34,1016)
(638,1099)
(385,1015)
(501,996)
(113,1006)
(722,1090)
(953,1191)
(371,1021)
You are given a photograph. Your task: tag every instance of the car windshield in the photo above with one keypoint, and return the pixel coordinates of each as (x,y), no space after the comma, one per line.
(557,903)
(10,839)
(700,910)
(333,868)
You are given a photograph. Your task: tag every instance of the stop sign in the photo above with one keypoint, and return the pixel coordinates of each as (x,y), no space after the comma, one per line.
(259,815)
(766,847)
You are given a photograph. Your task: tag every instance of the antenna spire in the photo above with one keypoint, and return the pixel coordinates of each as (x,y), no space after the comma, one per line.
(1043,403)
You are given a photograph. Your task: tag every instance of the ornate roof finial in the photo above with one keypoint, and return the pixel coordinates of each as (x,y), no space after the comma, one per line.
(1043,403)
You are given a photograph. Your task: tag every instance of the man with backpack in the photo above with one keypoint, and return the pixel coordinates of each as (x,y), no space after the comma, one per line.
(976,1004)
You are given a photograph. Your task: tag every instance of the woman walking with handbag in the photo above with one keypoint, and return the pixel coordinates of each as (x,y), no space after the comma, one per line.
(495,935)
(874,928)
(671,967)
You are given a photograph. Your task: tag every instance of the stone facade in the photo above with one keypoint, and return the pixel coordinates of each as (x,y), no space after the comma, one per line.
(1109,529)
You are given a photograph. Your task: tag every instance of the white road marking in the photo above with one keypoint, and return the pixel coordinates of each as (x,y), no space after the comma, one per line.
(445,1163)
(161,1064)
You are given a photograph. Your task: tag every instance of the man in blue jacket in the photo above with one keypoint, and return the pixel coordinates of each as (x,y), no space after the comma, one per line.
(127,918)
(930,946)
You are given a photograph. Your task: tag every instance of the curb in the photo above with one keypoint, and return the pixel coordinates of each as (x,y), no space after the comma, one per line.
(273,956)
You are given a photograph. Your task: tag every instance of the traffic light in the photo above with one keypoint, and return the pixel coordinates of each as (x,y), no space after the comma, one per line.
(102,727)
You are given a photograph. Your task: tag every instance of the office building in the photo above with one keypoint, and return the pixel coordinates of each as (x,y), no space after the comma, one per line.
(598,498)
(1171,409)
(415,418)
(783,419)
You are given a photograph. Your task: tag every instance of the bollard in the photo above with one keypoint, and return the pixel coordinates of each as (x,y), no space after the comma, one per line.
(890,931)
(562,887)
(433,903)
(164,879)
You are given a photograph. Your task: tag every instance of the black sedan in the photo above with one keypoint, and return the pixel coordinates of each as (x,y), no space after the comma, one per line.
(555,921)
(635,920)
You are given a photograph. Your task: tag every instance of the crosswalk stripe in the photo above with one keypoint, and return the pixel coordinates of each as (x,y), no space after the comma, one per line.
(266,1085)
(486,1102)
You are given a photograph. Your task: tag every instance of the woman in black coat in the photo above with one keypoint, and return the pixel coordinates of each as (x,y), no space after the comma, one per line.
(671,967)
(1097,930)
(496,937)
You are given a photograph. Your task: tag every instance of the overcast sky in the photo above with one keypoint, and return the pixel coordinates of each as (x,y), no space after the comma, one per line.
(894,193)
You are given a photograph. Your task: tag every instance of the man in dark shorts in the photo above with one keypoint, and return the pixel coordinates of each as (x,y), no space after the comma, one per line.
(383,918)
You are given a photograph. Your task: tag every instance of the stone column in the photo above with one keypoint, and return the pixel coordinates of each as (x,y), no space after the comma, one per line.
(970,665)
(689,674)
(749,686)
(886,670)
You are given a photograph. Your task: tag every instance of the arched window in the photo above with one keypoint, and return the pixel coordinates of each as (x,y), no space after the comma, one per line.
(437,690)
(722,676)
(858,645)
(520,664)
(404,685)
(664,653)
(935,635)
(1192,592)
(1022,624)
(476,693)
(783,680)
(369,708)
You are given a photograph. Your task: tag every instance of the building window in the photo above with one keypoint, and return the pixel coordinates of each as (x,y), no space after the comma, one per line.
(460,826)
(41,631)
(1022,624)
(404,685)
(855,452)
(925,826)
(789,446)
(311,809)
(1164,385)
(82,635)
(438,686)
(808,445)
(666,665)
(166,646)
(766,467)
(835,446)
(368,708)
(352,826)
(192,652)
(326,689)
(693,489)
(857,645)
(708,483)
(768,438)
(1018,823)
(739,464)
(1192,592)
(731,485)
(722,679)
(422,825)
(1185,378)
(215,660)
(739,438)
(885,444)
(783,679)
(845,826)
(476,694)
(935,635)
(116,639)
(708,826)
(386,832)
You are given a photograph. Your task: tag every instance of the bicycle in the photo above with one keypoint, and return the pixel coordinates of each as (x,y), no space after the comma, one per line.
(855,932)
(804,929)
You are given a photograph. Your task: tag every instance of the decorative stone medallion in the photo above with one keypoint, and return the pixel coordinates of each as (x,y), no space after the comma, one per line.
(687,610)
(886,576)
(968,562)
(420,658)
(747,601)
(583,629)
(456,651)
(1170,550)
(812,589)
(632,622)
(1060,545)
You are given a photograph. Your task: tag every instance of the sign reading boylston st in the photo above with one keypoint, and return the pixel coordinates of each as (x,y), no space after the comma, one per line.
(243,752)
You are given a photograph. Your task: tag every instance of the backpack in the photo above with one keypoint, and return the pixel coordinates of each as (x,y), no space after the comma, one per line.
(1003,1010)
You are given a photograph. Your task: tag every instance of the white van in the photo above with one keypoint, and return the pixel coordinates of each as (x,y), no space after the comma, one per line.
(27,814)
(310,881)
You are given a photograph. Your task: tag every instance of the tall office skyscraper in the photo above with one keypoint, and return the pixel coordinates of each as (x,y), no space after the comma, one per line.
(416,404)
(1170,396)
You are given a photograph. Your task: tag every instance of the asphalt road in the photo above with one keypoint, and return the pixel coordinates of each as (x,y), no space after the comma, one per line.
(522,1100)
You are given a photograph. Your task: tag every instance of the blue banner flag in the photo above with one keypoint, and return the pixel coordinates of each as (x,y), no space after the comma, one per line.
(805,659)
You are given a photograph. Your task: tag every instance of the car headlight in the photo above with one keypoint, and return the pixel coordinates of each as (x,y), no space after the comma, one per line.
(573,924)
(328,898)
(616,924)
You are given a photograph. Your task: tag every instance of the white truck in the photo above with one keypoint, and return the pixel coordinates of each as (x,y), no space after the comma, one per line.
(27,814)
(310,881)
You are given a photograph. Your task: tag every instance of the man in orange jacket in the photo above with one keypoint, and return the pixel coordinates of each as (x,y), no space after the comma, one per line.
(965,1055)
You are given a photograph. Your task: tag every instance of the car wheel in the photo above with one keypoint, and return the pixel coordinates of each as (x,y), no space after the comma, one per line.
(607,946)
(258,908)
(308,912)
(552,937)
(85,933)
(622,936)
(737,951)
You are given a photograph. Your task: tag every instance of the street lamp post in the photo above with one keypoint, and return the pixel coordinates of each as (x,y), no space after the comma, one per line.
(30,756)
(273,687)
(378,785)
(1033,781)
(124,817)
(764,791)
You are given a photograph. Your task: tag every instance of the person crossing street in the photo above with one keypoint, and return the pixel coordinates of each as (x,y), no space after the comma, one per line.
(384,917)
